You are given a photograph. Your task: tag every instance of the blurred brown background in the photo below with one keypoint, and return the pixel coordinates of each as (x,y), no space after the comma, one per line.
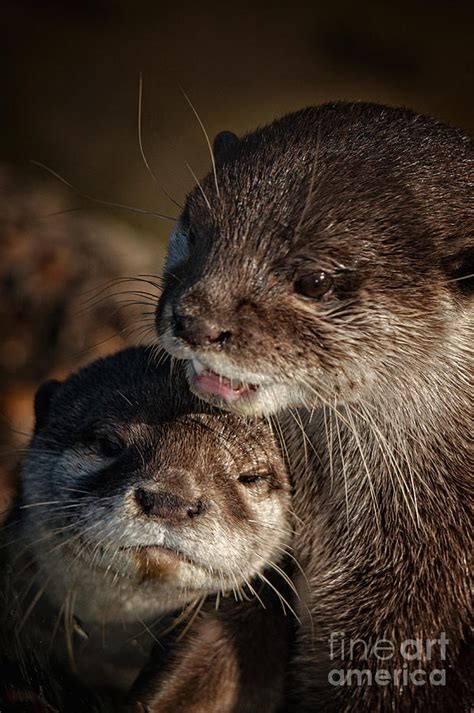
(69,90)
(69,87)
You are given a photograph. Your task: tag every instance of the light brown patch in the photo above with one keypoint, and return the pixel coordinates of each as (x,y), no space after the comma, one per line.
(205,677)
(151,565)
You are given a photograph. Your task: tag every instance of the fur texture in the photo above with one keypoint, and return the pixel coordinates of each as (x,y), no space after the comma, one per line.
(137,499)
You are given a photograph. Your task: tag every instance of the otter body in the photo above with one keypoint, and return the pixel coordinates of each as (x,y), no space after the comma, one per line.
(324,275)
(137,500)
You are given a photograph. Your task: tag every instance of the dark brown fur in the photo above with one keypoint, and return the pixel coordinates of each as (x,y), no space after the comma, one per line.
(233,660)
(380,200)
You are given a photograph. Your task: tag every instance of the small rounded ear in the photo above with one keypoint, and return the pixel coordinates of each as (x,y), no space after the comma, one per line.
(43,399)
(223,142)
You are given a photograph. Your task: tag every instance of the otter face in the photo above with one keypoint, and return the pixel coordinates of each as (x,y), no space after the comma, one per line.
(142,483)
(317,270)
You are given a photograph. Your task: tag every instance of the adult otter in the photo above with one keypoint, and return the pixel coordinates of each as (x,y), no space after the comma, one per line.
(137,499)
(327,264)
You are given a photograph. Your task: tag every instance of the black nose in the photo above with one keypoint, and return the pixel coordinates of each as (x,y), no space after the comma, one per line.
(197,331)
(167,506)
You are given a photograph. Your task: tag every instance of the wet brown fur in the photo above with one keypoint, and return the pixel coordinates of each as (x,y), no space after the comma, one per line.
(97,639)
(232,660)
(382,370)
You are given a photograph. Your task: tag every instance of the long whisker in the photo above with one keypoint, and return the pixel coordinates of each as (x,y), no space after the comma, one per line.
(187,610)
(387,453)
(463,277)
(32,605)
(284,576)
(343,466)
(108,284)
(68,627)
(198,184)
(192,619)
(99,201)
(365,464)
(42,504)
(206,135)
(140,144)
(56,626)
(282,599)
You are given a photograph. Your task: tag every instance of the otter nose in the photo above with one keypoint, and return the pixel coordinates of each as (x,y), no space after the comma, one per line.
(197,331)
(167,506)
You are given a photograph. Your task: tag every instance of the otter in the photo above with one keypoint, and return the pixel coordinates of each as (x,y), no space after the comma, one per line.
(137,500)
(323,275)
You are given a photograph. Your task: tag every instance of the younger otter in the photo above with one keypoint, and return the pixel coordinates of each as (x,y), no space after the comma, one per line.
(137,499)
(327,265)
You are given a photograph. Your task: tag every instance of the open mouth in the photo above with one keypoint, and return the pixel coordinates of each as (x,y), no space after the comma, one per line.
(209,382)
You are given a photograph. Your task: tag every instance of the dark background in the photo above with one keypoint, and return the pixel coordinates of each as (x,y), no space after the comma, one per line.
(70,78)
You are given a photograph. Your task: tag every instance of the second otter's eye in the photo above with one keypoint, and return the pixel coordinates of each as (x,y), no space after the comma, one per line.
(108,447)
(104,446)
(250,478)
(314,286)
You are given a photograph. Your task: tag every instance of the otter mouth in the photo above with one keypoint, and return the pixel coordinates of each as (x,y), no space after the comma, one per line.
(208,382)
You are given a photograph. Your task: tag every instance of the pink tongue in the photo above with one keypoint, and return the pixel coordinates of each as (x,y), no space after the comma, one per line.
(212,383)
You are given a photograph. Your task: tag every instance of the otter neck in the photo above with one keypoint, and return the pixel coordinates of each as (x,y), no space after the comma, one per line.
(397,454)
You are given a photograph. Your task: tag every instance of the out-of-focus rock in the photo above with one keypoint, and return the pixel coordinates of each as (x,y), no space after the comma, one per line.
(64,299)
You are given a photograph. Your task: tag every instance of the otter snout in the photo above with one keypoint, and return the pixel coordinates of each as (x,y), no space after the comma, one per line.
(163,505)
(198,331)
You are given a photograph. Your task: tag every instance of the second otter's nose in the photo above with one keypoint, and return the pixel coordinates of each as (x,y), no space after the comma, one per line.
(167,506)
(197,331)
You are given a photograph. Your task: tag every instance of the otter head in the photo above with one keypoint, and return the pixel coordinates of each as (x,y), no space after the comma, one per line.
(323,259)
(139,497)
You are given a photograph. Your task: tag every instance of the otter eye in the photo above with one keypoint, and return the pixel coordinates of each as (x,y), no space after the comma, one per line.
(314,286)
(250,478)
(104,446)
(108,447)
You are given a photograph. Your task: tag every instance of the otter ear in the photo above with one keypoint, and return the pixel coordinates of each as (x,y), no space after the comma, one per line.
(43,399)
(223,142)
